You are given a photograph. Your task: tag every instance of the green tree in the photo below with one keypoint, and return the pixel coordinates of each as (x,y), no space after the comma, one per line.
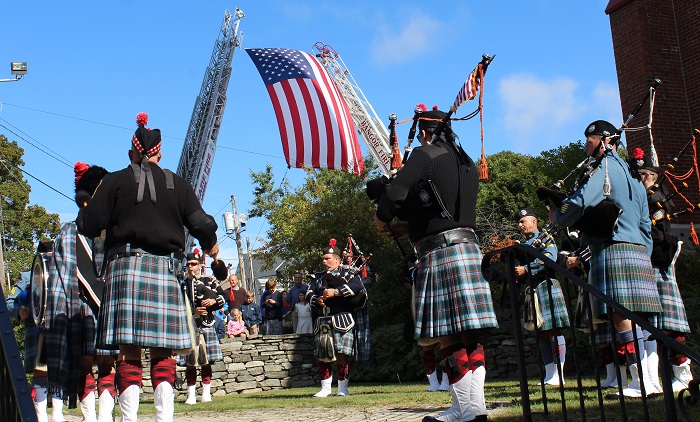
(330,204)
(22,225)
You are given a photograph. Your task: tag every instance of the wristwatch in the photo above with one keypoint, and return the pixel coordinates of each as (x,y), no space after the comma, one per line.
(336,293)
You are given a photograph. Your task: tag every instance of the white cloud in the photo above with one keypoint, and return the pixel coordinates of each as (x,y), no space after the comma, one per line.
(606,102)
(531,104)
(415,39)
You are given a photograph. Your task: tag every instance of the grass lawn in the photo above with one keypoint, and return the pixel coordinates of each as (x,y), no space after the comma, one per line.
(502,397)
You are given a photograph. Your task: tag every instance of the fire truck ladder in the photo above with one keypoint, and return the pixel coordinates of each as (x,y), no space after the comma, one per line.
(368,124)
(200,143)
(199,148)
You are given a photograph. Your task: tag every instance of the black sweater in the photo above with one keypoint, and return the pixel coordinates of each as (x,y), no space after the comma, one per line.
(153,227)
(439,163)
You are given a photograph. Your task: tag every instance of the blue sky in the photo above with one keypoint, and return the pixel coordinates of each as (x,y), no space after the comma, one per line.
(94,65)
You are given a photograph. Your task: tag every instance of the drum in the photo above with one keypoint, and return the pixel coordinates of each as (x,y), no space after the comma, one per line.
(38,284)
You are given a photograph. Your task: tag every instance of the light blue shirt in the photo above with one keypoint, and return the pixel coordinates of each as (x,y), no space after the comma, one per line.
(628,193)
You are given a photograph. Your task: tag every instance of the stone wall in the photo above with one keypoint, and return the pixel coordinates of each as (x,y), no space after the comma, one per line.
(253,365)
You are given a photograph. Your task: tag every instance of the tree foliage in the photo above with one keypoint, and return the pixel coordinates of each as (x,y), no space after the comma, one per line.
(22,225)
(330,204)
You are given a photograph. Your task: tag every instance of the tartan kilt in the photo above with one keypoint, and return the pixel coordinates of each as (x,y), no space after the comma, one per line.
(450,294)
(623,272)
(344,342)
(561,314)
(603,334)
(142,305)
(31,345)
(214,353)
(88,333)
(673,317)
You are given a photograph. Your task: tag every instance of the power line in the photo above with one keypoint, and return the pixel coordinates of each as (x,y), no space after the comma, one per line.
(62,160)
(126,128)
(33,177)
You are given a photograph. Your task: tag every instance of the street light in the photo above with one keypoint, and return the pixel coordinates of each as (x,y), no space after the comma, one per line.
(19,69)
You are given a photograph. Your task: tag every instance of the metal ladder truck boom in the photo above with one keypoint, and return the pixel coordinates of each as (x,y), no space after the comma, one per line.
(368,124)
(199,148)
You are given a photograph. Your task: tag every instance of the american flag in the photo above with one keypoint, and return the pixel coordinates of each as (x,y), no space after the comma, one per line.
(469,89)
(314,121)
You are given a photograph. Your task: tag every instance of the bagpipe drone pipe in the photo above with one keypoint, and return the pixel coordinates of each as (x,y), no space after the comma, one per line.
(601,220)
(660,195)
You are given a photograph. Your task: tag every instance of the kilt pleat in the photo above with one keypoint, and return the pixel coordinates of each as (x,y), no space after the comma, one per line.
(561,314)
(142,305)
(214,353)
(603,333)
(344,342)
(673,317)
(450,294)
(623,272)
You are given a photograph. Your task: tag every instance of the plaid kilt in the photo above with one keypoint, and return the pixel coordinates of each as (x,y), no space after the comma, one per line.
(214,353)
(344,342)
(561,314)
(603,333)
(673,317)
(31,345)
(450,294)
(623,272)
(142,305)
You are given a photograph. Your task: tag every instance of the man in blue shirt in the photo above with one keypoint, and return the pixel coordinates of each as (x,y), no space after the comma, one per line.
(550,340)
(620,255)
(293,295)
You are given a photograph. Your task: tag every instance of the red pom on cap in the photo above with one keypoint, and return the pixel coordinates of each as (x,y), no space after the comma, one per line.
(80,169)
(332,243)
(422,107)
(638,154)
(435,107)
(142,119)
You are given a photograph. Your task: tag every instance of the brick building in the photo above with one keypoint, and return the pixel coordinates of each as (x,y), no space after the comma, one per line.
(660,38)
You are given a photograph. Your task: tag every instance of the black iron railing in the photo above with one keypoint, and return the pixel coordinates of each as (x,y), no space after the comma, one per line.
(15,393)
(499,266)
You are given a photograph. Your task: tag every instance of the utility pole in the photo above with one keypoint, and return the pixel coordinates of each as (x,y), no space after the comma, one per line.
(250,264)
(5,283)
(237,227)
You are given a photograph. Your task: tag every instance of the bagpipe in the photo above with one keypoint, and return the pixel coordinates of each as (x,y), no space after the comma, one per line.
(601,220)
(353,263)
(376,188)
(475,82)
(660,204)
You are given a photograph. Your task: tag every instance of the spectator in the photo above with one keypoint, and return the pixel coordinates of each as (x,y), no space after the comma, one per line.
(298,287)
(273,309)
(235,294)
(302,315)
(252,317)
(220,324)
(236,326)
(293,296)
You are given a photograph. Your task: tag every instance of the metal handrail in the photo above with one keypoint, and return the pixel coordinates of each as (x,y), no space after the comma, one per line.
(15,393)
(509,256)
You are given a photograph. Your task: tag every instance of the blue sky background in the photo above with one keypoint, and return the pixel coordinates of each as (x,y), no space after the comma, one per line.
(94,65)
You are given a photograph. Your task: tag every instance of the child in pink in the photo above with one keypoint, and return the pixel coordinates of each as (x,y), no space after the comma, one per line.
(236,326)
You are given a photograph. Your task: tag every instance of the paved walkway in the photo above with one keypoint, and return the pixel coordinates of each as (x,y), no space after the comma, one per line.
(297,414)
